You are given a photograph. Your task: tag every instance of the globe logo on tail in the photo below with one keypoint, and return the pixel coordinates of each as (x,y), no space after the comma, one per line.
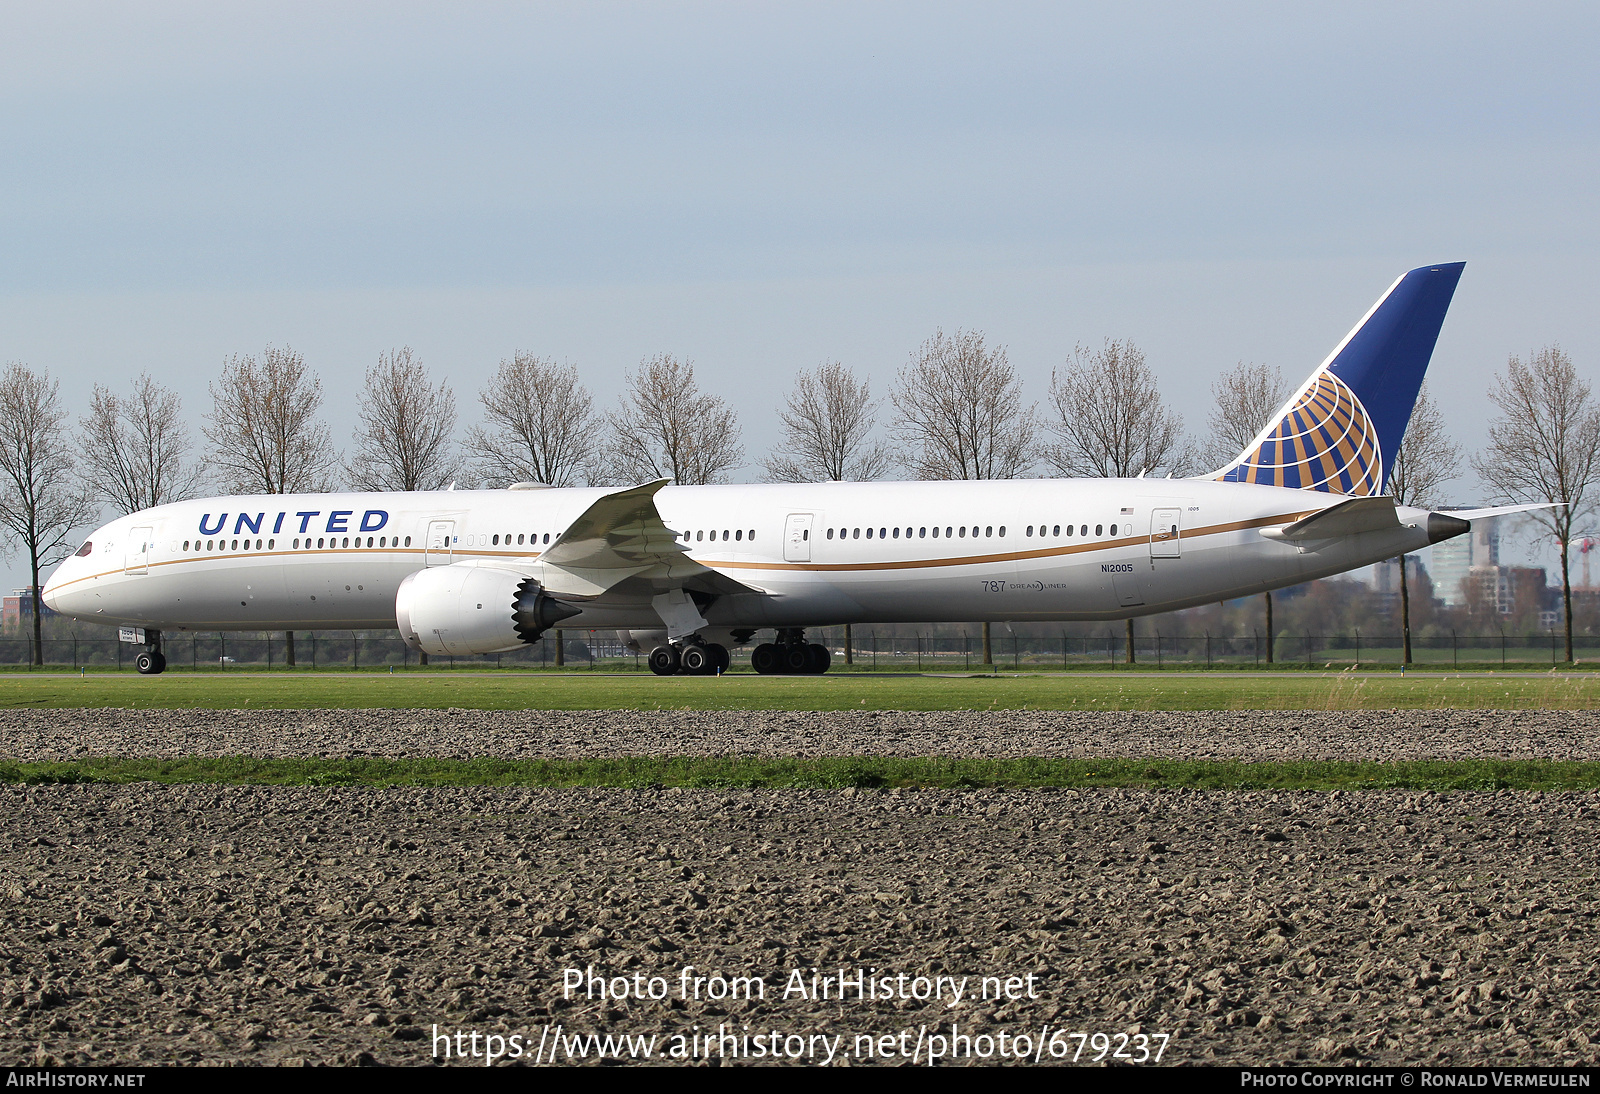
(1325,442)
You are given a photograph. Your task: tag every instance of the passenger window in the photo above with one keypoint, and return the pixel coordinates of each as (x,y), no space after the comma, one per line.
(947,531)
(547,537)
(922,533)
(1083,530)
(738,535)
(897,533)
(882,532)
(1098,531)
(1002,531)
(830,533)
(408,541)
(724,535)
(963,531)
(700,535)
(751,537)
(936,533)
(988,531)
(869,533)
(856,534)
(1030,530)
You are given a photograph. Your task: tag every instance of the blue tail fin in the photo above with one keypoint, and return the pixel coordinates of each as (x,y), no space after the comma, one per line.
(1340,432)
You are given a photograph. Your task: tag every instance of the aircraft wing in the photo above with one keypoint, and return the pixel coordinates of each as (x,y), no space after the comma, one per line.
(621,544)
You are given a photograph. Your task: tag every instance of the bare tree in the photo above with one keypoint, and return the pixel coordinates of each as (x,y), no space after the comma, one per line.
(1247,397)
(1427,459)
(540,425)
(666,429)
(264,432)
(404,442)
(1544,446)
(134,448)
(960,413)
(1110,418)
(827,420)
(41,500)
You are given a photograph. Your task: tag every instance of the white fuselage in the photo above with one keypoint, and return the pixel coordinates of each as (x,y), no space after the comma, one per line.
(819,554)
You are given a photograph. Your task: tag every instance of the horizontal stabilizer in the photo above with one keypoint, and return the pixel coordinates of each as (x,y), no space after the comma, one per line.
(1348,518)
(1502,510)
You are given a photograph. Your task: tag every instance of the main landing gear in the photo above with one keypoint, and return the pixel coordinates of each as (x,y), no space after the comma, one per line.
(151,661)
(790,654)
(690,658)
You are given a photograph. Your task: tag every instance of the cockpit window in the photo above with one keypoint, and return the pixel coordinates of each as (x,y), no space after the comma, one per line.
(83,552)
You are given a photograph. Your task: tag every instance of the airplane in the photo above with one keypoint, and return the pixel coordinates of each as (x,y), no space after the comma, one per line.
(688,571)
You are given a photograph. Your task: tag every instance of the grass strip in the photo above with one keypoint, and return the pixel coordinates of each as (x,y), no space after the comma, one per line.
(865,772)
(483,691)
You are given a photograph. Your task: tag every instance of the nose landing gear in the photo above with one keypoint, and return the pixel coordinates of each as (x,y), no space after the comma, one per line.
(151,661)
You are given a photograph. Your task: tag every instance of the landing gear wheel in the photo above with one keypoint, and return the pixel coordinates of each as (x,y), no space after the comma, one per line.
(150,663)
(724,659)
(697,661)
(766,658)
(820,658)
(664,661)
(797,659)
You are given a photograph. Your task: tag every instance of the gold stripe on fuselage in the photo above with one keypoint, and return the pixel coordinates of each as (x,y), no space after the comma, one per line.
(817,567)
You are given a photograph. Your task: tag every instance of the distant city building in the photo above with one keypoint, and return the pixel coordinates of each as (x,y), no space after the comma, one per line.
(1455,560)
(1386,579)
(18,608)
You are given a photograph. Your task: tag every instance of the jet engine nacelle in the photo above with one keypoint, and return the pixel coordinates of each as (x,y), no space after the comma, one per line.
(465,609)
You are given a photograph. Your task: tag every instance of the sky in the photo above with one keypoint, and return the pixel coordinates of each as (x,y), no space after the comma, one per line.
(760,188)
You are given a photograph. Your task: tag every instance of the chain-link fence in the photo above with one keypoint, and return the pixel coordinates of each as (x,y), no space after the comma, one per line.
(338,650)
(1109,649)
(889,651)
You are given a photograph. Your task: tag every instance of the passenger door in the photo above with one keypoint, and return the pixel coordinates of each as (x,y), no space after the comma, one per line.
(440,547)
(1166,535)
(137,558)
(797,538)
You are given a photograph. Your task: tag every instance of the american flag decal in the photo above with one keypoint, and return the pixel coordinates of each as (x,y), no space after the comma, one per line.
(1325,442)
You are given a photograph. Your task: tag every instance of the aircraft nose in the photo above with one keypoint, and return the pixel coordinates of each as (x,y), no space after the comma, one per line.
(51,593)
(56,594)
